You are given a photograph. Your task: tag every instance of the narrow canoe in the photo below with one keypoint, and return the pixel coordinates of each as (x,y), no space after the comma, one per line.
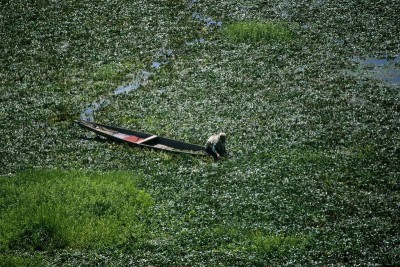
(142,139)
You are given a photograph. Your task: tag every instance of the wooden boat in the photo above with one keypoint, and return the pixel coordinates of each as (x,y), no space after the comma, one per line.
(142,139)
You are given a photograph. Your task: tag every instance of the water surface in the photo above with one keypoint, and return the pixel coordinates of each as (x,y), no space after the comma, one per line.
(141,78)
(89,112)
(382,68)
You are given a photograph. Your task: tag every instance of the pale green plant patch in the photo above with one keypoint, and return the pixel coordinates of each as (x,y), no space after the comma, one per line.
(45,210)
(254,32)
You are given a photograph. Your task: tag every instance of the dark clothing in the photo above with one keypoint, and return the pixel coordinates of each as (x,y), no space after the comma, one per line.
(215,145)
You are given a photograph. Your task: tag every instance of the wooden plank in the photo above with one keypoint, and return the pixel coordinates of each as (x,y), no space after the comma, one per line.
(147,139)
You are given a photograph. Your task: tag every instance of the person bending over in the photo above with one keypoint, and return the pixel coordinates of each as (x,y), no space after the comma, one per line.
(215,145)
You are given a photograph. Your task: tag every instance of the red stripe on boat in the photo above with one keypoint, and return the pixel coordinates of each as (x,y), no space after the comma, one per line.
(133,139)
(129,138)
(121,135)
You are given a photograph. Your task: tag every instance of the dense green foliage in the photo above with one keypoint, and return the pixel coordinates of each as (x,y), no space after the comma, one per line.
(46,210)
(257,32)
(313,176)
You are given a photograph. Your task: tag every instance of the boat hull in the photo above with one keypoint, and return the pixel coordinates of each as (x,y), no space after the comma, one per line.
(141,139)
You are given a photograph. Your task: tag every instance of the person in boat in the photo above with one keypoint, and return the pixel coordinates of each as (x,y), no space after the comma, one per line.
(215,145)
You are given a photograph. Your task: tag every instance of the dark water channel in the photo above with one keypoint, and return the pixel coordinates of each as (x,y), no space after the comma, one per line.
(140,79)
(160,58)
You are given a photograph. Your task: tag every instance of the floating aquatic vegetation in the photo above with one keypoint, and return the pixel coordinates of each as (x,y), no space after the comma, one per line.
(193,2)
(209,24)
(315,150)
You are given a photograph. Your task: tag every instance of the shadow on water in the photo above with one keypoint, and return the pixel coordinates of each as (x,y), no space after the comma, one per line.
(382,68)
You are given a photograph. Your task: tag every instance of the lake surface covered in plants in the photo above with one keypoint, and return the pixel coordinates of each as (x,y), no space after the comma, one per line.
(307,92)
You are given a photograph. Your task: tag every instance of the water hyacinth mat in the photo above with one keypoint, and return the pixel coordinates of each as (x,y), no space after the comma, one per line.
(307,92)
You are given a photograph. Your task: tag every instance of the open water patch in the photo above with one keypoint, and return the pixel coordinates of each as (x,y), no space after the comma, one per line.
(127,88)
(156,64)
(382,68)
(162,57)
(140,79)
(196,41)
(209,22)
(89,112)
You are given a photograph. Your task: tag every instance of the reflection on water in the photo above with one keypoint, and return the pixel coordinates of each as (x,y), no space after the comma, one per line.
(383,68)
(162,57)
(196,41)
(140,79)
(88,113)
(156,64)
(209,22)
(127,88)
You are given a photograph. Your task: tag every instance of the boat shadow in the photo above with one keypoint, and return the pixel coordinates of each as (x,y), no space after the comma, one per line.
(96,138)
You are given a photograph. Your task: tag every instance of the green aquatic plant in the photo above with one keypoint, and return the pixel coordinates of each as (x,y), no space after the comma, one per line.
(42,235)
(23,260)
(276,244)
(47,210)
(257,31)
(313,140)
